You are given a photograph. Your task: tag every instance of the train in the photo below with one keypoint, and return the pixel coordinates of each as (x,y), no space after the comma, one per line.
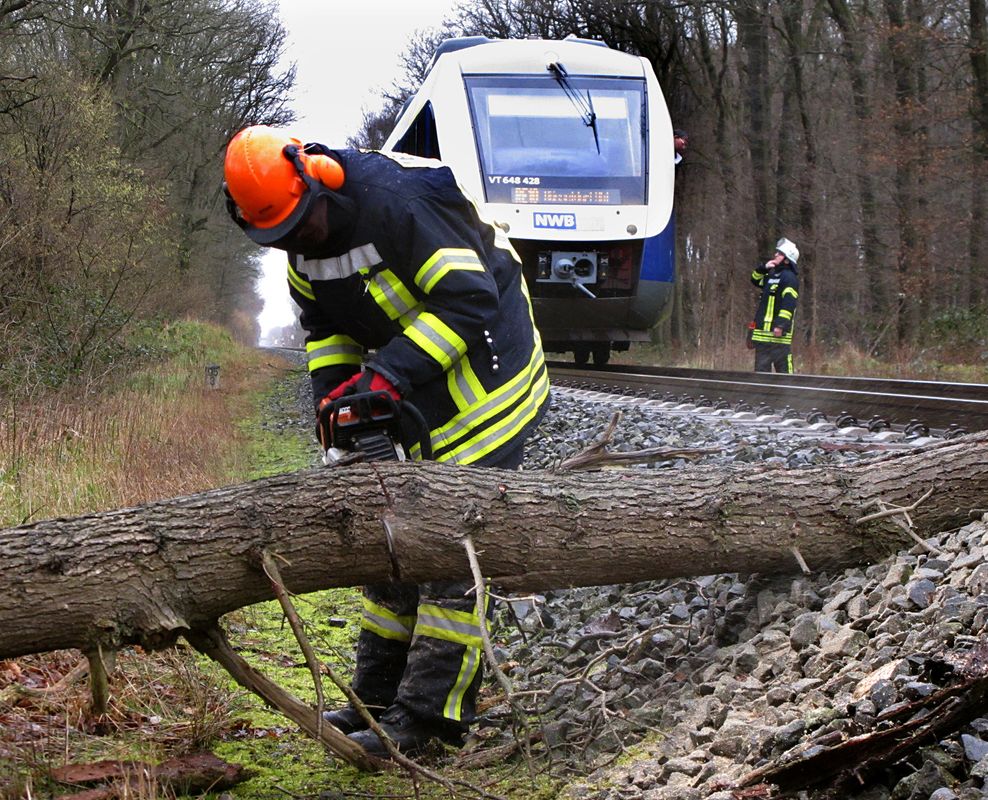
(567,145)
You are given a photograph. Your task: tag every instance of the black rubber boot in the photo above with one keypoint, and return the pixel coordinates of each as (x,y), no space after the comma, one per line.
(410,735)
(348,720)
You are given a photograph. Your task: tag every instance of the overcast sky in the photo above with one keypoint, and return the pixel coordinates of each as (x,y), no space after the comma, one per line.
(346,52)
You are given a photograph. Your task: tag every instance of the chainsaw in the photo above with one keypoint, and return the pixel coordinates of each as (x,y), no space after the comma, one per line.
(368,425)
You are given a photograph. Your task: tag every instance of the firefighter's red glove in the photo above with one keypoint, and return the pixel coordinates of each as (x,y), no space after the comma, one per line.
(366,381)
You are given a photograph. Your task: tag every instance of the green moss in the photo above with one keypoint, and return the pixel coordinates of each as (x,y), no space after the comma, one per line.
(276,450)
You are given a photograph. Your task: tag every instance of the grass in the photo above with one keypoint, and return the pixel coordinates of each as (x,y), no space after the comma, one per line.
(76,452)
(161,432)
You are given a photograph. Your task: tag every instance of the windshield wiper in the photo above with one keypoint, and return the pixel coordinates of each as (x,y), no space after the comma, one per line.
(585,107)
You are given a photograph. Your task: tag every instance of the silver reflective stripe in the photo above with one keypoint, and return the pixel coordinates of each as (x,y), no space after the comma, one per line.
(491,436)
(329,269)
(351,349)
(400,305)
(430,333)
(373,620)
(407,160)
(462,384)
(446,624)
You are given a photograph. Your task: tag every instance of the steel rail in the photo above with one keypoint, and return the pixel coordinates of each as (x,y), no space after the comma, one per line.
(874,401)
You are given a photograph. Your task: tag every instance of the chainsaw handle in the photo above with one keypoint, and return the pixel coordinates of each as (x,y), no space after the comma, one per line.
(425,443)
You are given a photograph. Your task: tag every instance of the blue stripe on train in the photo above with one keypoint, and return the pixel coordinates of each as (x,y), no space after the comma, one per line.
(659,255)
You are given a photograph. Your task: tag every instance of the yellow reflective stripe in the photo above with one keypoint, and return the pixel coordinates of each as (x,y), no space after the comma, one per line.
(463,384)
(469,664)
(443,261)
(528,399)
(461,627)
(784,314)
(769,312)
(385,623)
(789,290)
(437,339)
(757,276)
(503,431)
(394,298)
(336,349)
(501,398)
(302,286)
(766,337)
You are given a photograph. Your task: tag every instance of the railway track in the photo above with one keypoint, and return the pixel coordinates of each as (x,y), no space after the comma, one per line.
(913,407)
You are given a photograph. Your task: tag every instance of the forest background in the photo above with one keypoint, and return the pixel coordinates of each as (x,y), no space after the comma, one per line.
(857,128)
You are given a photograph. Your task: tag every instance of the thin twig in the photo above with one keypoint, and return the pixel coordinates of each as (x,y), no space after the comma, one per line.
(281,593)
(906,523)
(799,560)
(502,679)
(891,510)
(16,691)
(278,585)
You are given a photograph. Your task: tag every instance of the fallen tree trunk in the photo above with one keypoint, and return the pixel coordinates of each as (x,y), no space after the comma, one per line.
(147,574)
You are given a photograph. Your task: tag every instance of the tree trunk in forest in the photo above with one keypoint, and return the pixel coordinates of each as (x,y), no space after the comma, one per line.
(148,574)
(752,20)
(978,236)
(719,284)
(911,258)
(873,250)
(795,209)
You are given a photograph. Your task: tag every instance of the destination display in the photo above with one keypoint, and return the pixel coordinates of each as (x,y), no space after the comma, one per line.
(547,195)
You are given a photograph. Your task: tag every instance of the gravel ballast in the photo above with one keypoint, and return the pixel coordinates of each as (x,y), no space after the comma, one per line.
(690,684)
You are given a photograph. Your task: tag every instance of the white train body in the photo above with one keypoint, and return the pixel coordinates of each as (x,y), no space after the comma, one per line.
(568,147)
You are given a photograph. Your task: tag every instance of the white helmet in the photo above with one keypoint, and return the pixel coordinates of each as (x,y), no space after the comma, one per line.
(788,249)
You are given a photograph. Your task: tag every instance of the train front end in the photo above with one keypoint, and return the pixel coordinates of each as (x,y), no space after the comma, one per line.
(569,146)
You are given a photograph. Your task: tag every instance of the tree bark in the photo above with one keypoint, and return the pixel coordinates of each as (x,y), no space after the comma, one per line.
(752,20)
(148,574)
(873,247)
(978,235)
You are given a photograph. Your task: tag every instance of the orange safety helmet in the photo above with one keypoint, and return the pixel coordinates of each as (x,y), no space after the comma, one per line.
(271,182)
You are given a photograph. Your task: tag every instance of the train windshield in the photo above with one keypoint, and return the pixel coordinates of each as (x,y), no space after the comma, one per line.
(544,140)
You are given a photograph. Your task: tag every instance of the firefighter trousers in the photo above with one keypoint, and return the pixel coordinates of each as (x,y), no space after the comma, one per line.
(420,646)
(773,356)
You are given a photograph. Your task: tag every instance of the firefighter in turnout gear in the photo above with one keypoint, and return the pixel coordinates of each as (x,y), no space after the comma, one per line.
(404,288)
(771,330)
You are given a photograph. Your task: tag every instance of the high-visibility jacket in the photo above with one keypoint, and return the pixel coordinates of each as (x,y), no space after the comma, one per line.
(437,294)
(777,304)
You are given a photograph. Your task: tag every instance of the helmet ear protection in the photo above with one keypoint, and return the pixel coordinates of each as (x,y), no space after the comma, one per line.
(325,170)
(272,182)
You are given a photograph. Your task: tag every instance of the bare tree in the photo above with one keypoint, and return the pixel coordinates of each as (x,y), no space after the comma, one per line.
(978,236)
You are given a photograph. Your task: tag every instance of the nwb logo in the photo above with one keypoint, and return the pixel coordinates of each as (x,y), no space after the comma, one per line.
(544,220)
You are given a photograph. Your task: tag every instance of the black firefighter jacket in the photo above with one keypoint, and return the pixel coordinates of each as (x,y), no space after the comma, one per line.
(438,295)
(777,305)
